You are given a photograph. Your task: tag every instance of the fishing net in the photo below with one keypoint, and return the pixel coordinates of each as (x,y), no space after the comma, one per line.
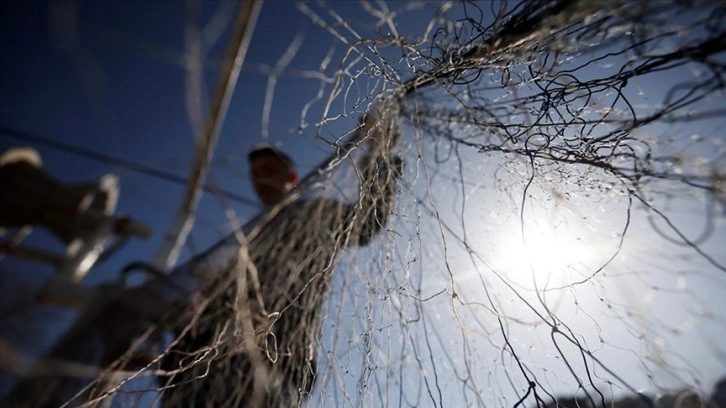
(535,217)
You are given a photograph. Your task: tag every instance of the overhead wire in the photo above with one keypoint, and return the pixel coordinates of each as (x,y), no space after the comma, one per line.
(116,161)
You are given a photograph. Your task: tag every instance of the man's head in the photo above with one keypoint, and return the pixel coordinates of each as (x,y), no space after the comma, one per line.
(273,173)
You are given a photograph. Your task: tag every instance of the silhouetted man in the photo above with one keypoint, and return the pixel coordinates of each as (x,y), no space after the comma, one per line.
(254,343)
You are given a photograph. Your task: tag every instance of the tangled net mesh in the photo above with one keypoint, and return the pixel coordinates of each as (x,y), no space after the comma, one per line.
(557,230)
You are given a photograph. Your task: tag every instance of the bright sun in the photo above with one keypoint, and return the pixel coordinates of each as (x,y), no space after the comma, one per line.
(544,255)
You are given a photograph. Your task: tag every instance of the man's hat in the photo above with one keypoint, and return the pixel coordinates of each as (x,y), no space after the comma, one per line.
(267,149)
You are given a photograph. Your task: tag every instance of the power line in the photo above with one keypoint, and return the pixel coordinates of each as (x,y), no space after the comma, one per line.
(106,159)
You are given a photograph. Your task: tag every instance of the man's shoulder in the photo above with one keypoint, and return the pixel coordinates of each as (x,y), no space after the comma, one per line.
(311,204)
(302,215)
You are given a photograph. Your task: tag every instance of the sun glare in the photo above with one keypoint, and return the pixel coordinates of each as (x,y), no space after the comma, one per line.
(543,255)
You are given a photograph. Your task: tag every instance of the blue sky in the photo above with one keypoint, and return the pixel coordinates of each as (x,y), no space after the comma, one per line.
(120,90)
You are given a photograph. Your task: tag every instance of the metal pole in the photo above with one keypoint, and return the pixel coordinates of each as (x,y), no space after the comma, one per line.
(168,253)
